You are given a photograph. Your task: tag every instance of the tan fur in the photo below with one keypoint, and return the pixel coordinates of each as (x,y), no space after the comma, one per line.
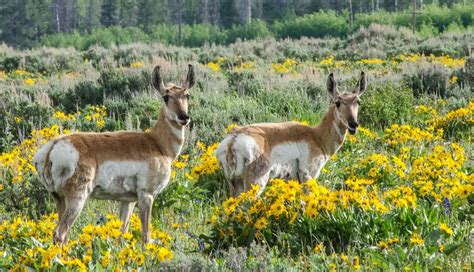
(155,149)
(127,145)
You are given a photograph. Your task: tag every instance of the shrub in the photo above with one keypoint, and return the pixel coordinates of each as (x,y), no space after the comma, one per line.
(84,93)
(201,34)
(254,30)
(428,79)
(385,104)
(320,24)
(117,84)
(427,30)
(10,63)
(35,238)
(97,56)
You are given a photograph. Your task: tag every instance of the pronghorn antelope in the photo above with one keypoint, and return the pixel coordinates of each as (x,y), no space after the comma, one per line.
(256,153)
(125,166)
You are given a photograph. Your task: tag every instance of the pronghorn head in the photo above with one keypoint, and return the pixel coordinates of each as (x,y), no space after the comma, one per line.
(347,104)
(175,97)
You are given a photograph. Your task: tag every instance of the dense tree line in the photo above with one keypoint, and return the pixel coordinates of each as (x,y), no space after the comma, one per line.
(24,22)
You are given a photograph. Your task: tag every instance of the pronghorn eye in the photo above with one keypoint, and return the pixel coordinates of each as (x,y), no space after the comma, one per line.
(166,98)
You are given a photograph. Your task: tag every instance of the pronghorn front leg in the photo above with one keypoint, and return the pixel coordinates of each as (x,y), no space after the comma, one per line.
(145,204)
(302,171)
(126,210)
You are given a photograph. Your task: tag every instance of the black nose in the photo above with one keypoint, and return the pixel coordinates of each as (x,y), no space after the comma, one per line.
(353,124)
(183,116)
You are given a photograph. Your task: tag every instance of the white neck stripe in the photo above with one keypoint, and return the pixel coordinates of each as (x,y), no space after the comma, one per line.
(336,127)
(176,131)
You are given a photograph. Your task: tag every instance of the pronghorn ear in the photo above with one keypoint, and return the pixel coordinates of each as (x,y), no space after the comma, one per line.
(191,77)
(361,85)
(158,80)
(331,85)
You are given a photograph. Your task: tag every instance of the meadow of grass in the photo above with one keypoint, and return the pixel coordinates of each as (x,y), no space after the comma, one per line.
(398,195)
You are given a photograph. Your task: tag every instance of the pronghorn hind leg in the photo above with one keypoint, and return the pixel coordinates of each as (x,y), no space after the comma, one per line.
(73,208)
(126,210)
(260,180)
(74,194)
(60,204)
(236,187)
(60,208)
(145,204)
(257,173)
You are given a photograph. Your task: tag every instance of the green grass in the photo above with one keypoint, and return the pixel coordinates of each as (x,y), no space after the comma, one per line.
(259,94)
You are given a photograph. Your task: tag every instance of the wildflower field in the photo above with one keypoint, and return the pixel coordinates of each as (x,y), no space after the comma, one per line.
(397,195)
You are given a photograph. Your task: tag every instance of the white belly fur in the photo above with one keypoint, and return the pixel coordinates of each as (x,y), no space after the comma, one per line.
(287,159)
(121,177)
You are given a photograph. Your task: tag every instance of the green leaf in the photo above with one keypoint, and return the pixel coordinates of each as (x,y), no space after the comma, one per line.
(449,249)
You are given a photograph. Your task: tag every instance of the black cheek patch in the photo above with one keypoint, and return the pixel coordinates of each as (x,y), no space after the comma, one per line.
(166,98)
(338,103)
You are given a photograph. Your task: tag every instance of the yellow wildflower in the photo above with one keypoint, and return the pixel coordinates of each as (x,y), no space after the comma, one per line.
(416,240)
(446,229)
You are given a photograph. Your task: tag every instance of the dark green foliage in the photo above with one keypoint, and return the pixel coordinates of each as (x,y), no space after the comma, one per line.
(105,37)
(228,13)
(384,105)
(145,26)
(319,24)
(255,29)
(109,13)
(84,93)
(31,198)
(431,80)
(10,63)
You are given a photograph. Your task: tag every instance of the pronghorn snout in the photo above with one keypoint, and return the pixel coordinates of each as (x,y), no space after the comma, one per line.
(353,126)
(183,118)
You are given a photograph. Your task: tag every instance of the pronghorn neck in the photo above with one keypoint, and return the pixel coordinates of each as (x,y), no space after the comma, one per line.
(331,131)
(169,134)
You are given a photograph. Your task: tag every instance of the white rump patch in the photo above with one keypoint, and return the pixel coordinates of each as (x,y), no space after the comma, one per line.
(221,154)
(39,159)
(245,151)
(64,157)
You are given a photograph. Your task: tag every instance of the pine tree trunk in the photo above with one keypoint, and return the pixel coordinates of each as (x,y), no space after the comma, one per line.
(56,13)
(245,11)
(204,12)
(68,15)
(214,8)
(258,12)
(351,15)
(90,13)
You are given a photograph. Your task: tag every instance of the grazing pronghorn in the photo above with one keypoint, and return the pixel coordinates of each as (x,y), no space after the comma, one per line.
(125,166)
(256,153)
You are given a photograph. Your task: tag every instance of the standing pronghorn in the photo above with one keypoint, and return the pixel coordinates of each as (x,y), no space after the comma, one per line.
(253,154)
(125,166)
